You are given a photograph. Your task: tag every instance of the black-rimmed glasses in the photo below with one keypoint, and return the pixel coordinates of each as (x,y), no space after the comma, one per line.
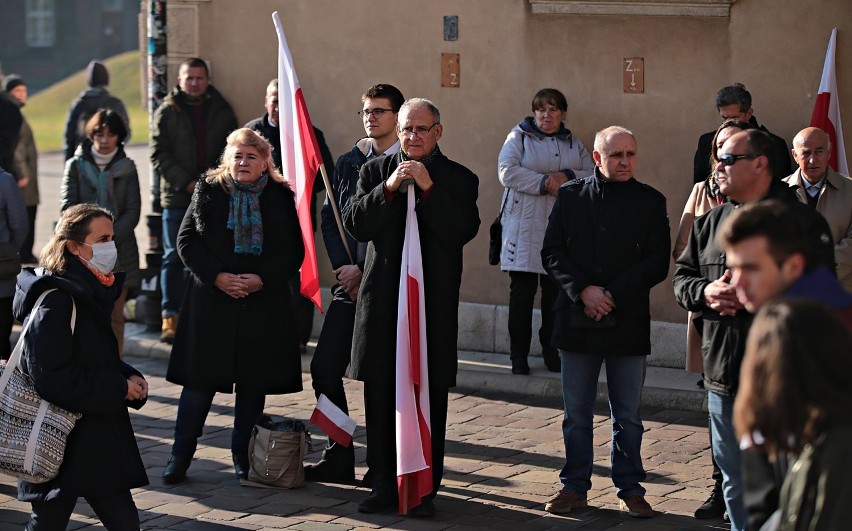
(729,159)
(377,112)
(418,131)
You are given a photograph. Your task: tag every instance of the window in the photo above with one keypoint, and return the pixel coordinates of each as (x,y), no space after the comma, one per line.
(40,23)
(113,5)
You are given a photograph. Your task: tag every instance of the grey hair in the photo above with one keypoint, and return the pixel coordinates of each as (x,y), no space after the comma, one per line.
(418,103)
(601,135)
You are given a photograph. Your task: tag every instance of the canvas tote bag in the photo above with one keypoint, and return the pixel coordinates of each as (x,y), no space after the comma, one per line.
(33,432)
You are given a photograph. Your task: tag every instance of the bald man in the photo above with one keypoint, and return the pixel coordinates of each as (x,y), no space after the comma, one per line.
(829,192)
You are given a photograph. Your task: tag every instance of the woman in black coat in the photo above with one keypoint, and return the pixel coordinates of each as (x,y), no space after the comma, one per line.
(82,372)
(240,240)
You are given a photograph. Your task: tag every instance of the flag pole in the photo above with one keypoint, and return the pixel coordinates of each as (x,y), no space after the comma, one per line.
(329,193)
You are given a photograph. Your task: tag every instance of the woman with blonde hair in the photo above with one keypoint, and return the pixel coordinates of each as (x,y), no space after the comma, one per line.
(240,240)
(794,399)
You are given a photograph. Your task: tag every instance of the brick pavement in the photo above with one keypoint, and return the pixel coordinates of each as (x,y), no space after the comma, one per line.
(503,456)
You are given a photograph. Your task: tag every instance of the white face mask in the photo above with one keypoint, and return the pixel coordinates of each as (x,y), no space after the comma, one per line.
(104,256)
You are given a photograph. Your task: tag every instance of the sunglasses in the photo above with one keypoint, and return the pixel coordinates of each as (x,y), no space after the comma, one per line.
(729,159)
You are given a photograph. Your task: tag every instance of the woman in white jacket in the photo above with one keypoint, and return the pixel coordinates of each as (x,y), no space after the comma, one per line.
(539,156)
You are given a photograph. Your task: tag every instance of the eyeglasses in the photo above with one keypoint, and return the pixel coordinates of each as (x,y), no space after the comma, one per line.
(729,159)
(377,112)
(419,131)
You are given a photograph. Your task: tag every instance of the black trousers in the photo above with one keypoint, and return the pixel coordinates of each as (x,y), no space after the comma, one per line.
(522,290)
(333,352)
(303,311)
(26,250)
(6,321)
(117,512)
(380,406)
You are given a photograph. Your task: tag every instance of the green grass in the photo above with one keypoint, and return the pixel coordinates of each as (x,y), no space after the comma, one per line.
(47,110)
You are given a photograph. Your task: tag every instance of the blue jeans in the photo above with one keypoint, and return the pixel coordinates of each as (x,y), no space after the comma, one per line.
(625,377)
(173,273)
(726,452)
(193,407)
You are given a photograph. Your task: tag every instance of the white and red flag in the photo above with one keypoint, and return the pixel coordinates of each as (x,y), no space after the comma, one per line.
(413,432)
(826,114)
(300,157)
(333,421)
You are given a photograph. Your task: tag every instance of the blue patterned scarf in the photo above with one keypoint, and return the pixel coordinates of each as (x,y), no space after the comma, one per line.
(244,216)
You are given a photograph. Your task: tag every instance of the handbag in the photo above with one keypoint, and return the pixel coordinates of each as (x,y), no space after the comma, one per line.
(276,452)
(10,261)
(495,242)
(33,432)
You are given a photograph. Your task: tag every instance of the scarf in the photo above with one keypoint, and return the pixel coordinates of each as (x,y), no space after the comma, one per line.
(425,160)
(244,216)
(106,280)
(102,159)
(102,180)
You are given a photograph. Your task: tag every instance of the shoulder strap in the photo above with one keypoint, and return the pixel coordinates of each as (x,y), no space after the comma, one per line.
(15,358)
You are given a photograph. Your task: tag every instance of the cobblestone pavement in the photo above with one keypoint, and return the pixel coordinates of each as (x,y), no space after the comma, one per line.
(503,457)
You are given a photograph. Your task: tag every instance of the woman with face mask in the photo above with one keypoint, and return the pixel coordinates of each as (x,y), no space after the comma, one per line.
(101,173)
(81,371)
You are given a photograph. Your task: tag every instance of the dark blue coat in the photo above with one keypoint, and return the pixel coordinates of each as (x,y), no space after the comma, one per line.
(614,235)
(82,373)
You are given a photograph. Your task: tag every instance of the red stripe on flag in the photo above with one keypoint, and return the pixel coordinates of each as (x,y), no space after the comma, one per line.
(820,119)
(414,330)
(335,432)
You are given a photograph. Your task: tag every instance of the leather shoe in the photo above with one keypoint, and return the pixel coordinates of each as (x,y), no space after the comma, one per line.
(714,507)
(241,465)
(553,363)
(377,502)
(336,466)
(426,509)
(175,470)
(637,507)
(520,366)
(565,502)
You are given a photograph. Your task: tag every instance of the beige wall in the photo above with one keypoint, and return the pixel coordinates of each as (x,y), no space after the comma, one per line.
(340,47)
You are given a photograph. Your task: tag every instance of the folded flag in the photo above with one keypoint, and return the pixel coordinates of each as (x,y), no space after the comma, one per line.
(333,421)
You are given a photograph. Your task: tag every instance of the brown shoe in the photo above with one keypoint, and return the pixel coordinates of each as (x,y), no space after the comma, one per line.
(564,502)
(637,507)
(167,335)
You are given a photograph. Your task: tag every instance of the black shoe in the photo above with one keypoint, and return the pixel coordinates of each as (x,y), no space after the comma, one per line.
(426,509)
(377,502)
(175,470)
(553,363)
(336,466)
(241,465)
(714,507)
(520,366)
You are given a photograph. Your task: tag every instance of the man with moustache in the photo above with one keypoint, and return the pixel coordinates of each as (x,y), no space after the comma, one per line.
(448,218)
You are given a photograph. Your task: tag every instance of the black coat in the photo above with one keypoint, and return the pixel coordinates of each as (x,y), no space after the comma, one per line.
(82,373)
(250,342)
(614,235)
(780,160)
(448,218)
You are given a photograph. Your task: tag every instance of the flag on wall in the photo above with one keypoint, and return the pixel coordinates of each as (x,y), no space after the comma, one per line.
(333,421)
(826,113)
(413,432)
(300,158)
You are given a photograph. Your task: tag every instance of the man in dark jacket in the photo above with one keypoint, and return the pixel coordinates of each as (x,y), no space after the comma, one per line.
(267,125)
(90,100)
(448,218)
(734,102)
(702,283)
(188,136)
(381,103)
(606,245)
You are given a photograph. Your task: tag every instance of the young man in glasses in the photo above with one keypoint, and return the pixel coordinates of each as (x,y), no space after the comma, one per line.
(702,283)
(380,105)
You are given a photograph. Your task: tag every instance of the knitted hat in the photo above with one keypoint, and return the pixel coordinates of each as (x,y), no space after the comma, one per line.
(12,81)
(97,74)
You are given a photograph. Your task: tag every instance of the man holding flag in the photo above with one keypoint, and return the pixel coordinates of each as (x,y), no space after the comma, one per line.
(407,375)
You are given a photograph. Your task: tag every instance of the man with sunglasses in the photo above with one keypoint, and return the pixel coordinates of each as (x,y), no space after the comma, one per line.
(380,105)
(702,283)
(447,218)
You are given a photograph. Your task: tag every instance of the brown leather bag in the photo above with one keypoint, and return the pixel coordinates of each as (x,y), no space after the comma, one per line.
(276,452)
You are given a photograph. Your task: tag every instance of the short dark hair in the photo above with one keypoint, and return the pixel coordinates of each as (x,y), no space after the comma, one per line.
(551,96)
(195,62)
(774,220)
(386,91)
(734,94)
(106,118)
(761,145)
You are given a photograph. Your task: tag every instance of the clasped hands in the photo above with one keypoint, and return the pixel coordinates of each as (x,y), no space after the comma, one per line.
(554,181)
(238,286)
(137,388)
(597,301)
(721,296)
(410,169)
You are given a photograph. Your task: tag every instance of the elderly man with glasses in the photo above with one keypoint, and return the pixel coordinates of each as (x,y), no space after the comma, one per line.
(447,218)
(702,283)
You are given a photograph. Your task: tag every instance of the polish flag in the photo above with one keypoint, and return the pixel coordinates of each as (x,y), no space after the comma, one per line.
(333,421)
(826,113)
(413,432)
(300,158)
